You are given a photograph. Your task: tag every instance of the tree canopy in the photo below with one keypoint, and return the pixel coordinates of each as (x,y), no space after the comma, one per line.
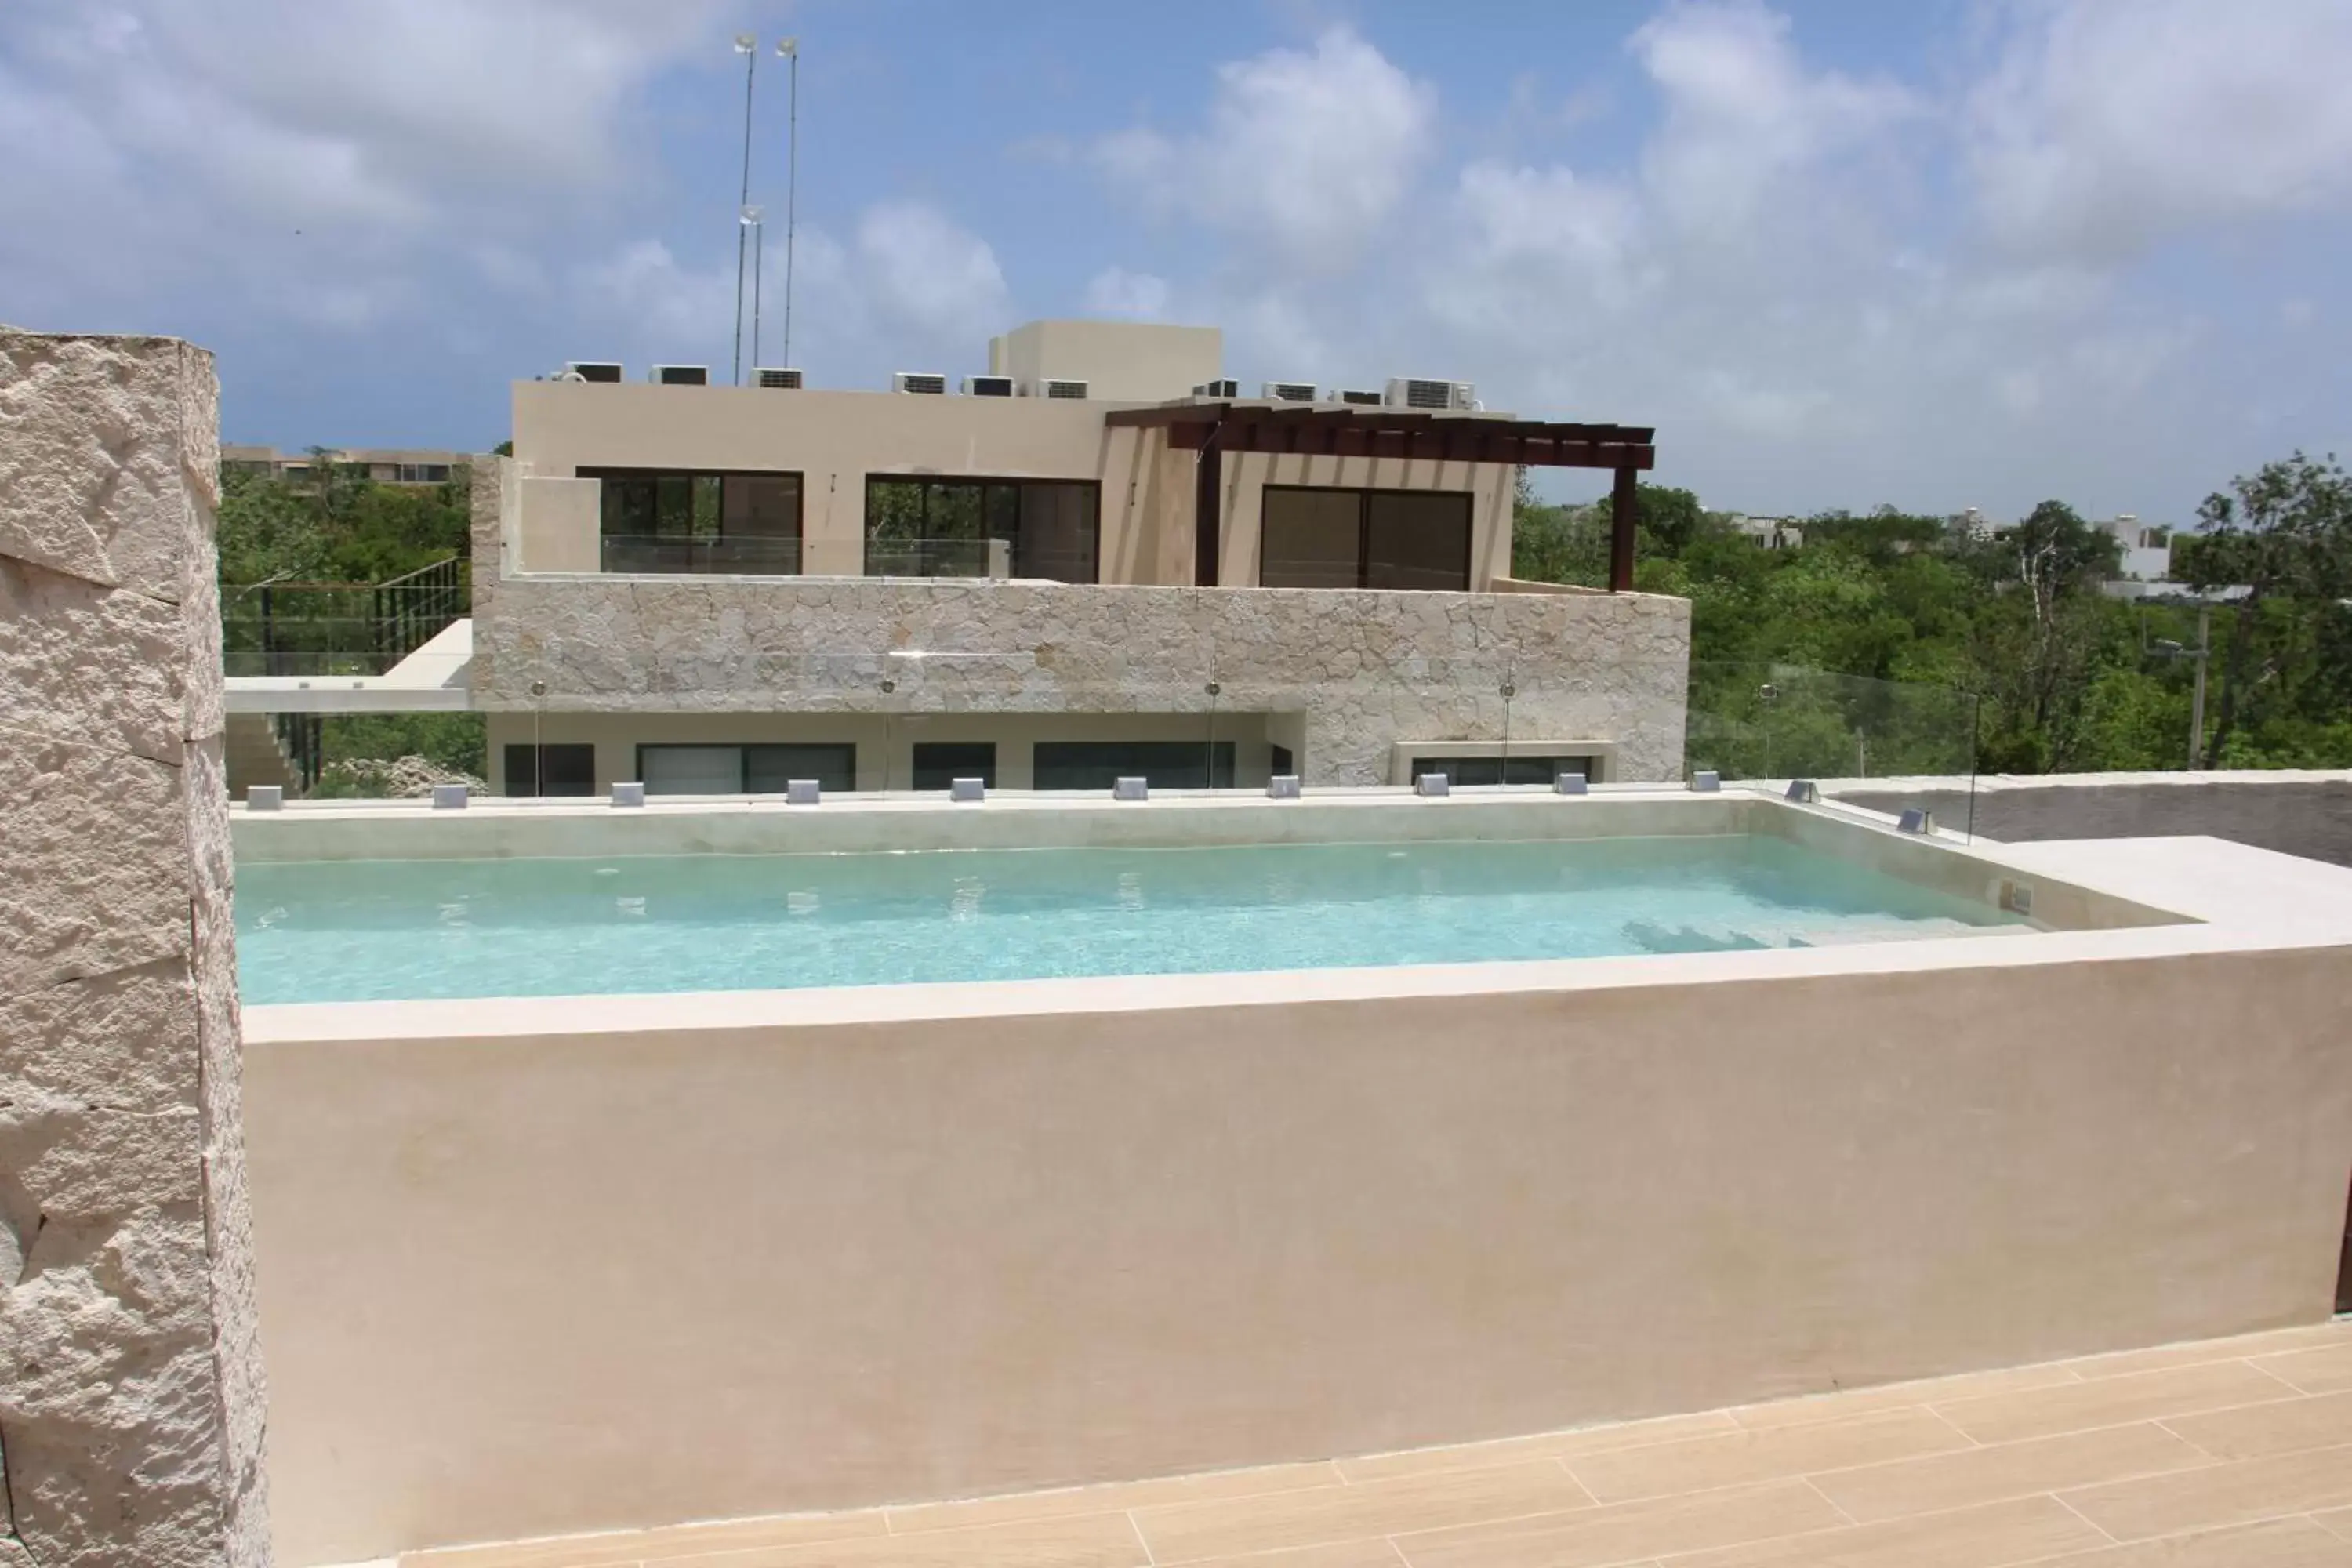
(2054,674)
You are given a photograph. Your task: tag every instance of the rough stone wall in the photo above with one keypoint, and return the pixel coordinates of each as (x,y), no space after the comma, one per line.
(1364,669)
(131,1387)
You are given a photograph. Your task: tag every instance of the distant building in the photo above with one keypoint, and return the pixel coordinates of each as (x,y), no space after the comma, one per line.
(1771,532)
(2146,551)
(387,466)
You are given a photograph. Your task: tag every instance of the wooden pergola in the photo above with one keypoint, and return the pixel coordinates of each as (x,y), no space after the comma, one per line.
(1213,429)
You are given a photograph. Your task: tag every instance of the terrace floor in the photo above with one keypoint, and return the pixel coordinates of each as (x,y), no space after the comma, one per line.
(2224,1454)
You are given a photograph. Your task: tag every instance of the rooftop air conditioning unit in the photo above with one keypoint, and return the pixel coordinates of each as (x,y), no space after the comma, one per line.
(1408,392)
(1289,391)
(919,381)
(1050,386)
(1362,397)
(591,370)
(776,375)
(988,387)
(679,375)
(1218,389)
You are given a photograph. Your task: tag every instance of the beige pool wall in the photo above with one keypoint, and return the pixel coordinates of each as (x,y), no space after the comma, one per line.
(535,1266)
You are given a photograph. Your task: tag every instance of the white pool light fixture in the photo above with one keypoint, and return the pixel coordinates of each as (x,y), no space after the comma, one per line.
(1432,786)
(265,797)
(630,794)
(1567,781)
(802,792)
(1707,781)
(1282,786)
(967,789)
(1131,789)
(449,797)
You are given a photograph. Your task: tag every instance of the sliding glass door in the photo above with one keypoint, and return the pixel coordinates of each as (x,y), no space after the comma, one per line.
(1321,537)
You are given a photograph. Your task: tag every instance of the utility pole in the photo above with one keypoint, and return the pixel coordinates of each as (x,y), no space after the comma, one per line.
(749,47)
(2197,702)
(791,49)
(2166,648)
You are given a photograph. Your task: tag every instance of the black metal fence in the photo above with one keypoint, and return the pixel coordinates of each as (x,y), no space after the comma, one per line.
(339,628)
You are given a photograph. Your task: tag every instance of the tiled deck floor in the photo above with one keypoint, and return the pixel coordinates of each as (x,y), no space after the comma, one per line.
(2227,1453)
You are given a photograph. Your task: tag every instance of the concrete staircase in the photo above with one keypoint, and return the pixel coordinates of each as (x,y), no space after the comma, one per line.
(254,756)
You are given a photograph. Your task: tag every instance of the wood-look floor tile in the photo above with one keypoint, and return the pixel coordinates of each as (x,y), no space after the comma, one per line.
(2327,1369)
(633,1546)
(1806,1410)
(1182,1532)
(1094,1541)
(1118,1497)
(1972,1476)
(1738,1458)
(2018,1531)
(1626,1532)
(2111,1401)
(2274,1544)
(2252,1431)
(2201,1352)
(1543,1445)
(2238,1493)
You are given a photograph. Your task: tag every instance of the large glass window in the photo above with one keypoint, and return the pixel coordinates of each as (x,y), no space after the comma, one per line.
(568,769)
(939,763)
(660,520)
(1500,770)
(746,769)
(1164,764)
(944,528)
(1319,537)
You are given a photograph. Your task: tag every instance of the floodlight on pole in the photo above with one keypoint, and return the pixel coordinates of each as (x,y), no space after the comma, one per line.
(790,48)
(749,47)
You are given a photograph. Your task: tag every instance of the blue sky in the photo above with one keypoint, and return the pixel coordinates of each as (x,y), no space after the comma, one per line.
(1941,253)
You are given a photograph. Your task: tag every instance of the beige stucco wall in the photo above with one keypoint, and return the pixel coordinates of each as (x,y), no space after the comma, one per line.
(1144,362)
(131,1399)
(550,1281)
(835,439)
(2305,812)
(557,524)
(1346,672)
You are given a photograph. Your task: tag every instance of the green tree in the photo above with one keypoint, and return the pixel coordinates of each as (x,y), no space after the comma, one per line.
(2283,531)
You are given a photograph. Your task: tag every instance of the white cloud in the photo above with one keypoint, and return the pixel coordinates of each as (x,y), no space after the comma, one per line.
(1304,153)
(1136,296)
(923,273)
(2107,127)
(912,286)
(1744,116)
(295,157)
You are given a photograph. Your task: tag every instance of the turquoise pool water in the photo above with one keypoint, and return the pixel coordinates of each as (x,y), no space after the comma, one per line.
(352,931)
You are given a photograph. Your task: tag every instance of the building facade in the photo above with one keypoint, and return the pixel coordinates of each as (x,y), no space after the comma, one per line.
(717,589)
(385,466)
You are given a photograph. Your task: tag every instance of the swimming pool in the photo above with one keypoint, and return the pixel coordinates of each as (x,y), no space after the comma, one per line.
(387,930)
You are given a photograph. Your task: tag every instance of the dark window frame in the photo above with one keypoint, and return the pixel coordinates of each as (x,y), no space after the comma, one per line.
(1217,763)
(982,482)
(605,474)
(1453,767)
(743,750)
(534,756)
(1364,494)
(971,767)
